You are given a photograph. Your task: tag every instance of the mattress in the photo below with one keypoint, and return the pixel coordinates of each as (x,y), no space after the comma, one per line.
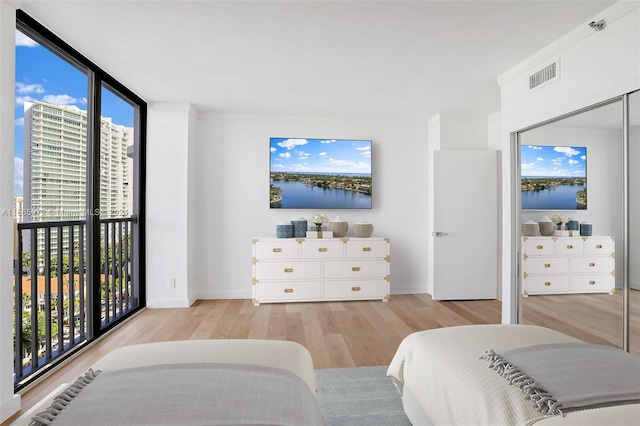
(446,381)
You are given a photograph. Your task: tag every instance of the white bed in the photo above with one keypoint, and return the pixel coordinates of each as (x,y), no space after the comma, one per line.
(442,379)
(271,375)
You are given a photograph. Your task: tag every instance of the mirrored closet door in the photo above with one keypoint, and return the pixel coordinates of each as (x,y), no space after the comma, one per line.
(573,276)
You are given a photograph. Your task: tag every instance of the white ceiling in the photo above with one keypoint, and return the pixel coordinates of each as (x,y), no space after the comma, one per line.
(390,59)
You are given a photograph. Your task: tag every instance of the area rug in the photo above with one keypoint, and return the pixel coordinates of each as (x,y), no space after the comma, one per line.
(361,396)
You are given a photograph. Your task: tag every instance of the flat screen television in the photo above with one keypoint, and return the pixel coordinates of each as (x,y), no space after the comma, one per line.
(553,177)
(320,174)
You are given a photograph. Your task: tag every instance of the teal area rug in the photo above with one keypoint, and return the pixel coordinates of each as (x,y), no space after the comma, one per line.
(361,396)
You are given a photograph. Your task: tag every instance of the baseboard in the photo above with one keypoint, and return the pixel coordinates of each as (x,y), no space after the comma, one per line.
(168,303)
(408,289)
(232,294)
(9,407)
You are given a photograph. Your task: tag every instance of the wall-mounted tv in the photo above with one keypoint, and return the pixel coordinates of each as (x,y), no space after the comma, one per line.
(553,177)
(320,174)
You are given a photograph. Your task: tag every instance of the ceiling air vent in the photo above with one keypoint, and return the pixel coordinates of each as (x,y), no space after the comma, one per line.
(545,75)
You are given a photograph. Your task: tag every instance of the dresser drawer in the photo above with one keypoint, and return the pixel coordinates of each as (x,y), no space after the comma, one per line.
(366,249)
(322,249)
(354,269)
(288,270)
(355,289)
(598,246)
(546,265)
(587,283)
(592,264)
(538,246)
(569,246)
(274,250)
(536,284)
(288,291)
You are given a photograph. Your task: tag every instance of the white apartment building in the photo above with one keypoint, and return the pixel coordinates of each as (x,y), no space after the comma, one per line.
(55,153)
(18,209)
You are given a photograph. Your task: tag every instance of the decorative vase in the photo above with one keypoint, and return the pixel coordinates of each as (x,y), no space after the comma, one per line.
(339,227)
(362,229)
(284,230)
(319,227)
(299,227)
(546,227)
(530,228)
(573,225)
(559,228)
(586,229)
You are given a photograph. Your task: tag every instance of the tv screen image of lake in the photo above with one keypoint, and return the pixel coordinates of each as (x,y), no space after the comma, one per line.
(299,195)
(561,197)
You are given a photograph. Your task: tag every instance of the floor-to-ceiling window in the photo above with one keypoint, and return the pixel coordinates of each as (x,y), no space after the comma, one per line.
(79,161)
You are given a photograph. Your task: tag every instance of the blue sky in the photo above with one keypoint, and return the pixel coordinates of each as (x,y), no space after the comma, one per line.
(553,161)
(320,155)
(43,76)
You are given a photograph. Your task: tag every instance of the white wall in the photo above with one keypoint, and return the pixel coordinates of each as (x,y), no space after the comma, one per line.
(9,403)
(595,66)
(232,186)
(604,179)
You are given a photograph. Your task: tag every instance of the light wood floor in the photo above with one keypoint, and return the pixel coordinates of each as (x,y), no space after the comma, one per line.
(349,334)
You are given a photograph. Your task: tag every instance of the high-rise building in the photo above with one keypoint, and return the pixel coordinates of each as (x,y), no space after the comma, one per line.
(18,209)
(55,152)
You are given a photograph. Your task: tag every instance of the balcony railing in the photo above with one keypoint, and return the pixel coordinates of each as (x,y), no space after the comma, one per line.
(53,296)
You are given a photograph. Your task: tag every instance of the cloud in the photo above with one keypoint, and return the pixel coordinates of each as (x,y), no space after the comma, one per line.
(20,100)
(534,147)
(292,143)
(60,100)
(539,159)
(527,166)
(285,155)
(272,149)
(322,154)
(573,162)
(302,155)
(583,157)
(18,176)
(24,41)
(24,89)
(328,141)
(566,150)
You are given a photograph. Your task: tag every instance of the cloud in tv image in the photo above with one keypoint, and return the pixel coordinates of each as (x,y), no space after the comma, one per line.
(553,177)
(320,173)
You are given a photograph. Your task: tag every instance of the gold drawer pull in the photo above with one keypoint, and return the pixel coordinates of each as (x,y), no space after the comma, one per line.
(547,283)
(598,246)
(288,290)
(355,269)
(592,283)
(570,246)
(366,248)
(277,250)
(355,289)
(539,247)
(547,265)
(322,249)
(592,264)
(288,270)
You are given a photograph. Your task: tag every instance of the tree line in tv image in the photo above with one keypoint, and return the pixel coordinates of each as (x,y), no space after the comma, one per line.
(553,177)
(320,174)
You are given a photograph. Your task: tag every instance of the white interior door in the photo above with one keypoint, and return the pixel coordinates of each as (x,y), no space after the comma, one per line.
(465,225)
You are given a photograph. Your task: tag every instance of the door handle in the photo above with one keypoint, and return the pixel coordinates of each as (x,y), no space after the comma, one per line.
(439,234)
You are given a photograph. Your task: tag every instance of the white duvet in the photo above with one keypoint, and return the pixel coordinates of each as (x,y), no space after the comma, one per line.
(442,369)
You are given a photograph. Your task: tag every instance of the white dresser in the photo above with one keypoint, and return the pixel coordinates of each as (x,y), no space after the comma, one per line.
(305,270)
(561,265)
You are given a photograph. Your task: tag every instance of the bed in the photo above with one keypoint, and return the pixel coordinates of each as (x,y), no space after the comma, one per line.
(443,379)
(204,382)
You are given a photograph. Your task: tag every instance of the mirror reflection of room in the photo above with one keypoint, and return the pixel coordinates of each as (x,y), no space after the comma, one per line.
(572,272)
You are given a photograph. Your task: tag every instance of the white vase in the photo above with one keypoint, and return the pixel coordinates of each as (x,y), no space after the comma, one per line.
(339,227)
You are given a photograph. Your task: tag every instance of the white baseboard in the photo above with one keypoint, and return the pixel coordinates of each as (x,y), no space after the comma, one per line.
(231,294)
(9,407)
(168,303)
(408,289)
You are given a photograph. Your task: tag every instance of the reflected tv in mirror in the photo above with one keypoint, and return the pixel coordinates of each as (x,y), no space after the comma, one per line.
(553,177)
(320,174)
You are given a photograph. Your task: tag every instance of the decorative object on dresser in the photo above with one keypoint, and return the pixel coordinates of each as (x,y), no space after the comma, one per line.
(530,228)
(284,230)
(546,227)
(304,270)
(586,229)
(339,227)
(299,227)
(562,265)
(362,229)
(559,219)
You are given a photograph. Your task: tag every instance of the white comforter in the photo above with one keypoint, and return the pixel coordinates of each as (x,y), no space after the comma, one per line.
(443,370)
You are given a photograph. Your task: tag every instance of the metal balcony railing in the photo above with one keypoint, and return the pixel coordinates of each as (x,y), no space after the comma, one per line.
(53,295)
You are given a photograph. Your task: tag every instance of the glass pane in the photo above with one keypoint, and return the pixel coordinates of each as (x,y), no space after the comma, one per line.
(50,204)
(117,140)
(572,280)
(634,224)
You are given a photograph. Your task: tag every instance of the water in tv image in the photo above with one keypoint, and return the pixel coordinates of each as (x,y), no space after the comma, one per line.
(553,177)
(320,174)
